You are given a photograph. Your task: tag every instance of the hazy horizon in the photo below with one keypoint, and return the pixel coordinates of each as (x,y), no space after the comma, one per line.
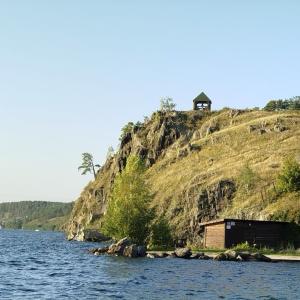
(73,73)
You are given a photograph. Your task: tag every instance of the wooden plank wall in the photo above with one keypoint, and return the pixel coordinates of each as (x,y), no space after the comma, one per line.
(261,234)
(214,236)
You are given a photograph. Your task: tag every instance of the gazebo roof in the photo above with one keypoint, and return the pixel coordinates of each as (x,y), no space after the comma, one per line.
(202,98)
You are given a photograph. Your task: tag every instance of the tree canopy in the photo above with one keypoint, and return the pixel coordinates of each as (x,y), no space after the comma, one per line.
(128,213)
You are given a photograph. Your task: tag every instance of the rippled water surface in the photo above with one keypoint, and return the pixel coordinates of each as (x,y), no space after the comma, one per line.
(43,265)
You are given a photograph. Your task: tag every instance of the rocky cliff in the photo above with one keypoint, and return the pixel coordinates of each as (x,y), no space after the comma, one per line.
(194,161)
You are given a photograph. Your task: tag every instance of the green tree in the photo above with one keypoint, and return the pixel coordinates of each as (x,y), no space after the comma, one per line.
(294,103)
(290,103)
(167,104)
(128,212)
(88,165)
(289,177)
(271,106)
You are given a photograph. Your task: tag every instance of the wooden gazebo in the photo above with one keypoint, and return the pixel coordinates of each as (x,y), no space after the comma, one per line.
(202,102)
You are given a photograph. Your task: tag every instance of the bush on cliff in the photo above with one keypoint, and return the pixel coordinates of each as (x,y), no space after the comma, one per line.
(289,177)
(128,213)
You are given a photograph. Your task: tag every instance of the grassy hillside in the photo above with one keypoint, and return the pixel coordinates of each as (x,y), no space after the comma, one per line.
(177,182)
(195,164)
(34,215)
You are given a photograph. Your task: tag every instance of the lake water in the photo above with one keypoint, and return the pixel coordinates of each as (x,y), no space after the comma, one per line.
(43,265)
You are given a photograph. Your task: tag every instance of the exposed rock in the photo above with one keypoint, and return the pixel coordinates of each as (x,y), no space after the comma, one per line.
(244,255)
(196,255)
(131,251)
(183,152)
(241,256)
(123,247)
(183,252)
(171,255)
(211,129)
(91,235)
(161,254)
(221,256)
(141,251)
(231,254)
(252,128)
(99,250)
(196,135)
(261,131)
(261,257)
(152,255)
(279,128)
(119,247)
(204,257)
(207,203)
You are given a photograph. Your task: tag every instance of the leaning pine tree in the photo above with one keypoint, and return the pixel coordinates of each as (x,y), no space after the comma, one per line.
(128,213)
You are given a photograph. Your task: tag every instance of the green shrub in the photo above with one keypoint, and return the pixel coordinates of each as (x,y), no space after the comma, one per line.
(160,236)
(288,179)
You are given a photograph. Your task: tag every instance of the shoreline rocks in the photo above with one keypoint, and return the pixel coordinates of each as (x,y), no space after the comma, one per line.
(125,247)
(232,255)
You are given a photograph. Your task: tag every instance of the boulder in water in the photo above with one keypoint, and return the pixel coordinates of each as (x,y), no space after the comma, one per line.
(183,252)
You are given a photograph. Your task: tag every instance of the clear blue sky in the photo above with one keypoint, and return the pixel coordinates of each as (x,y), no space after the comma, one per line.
(72,73)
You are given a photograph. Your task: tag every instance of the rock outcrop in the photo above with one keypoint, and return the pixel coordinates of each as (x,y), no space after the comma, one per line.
(194,160)
(123,247)
(92,235)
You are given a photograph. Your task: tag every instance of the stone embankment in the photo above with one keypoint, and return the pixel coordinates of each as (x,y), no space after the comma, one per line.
(126,248)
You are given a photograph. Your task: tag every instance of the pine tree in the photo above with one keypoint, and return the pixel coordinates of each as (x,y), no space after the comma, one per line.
(88,165)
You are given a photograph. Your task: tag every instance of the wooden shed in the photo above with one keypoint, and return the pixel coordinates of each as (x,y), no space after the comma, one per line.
(226,233)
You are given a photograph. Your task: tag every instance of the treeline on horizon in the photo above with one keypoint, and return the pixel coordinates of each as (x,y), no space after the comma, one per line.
(283,104)
(34,214)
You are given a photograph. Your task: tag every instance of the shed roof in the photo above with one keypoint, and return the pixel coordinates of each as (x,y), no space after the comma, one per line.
(202,98)
(218,221)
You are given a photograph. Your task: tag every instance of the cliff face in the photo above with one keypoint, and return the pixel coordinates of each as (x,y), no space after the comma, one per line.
(194,160)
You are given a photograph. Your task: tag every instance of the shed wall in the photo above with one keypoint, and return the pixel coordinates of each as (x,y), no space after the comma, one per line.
(259,233)
(214,236)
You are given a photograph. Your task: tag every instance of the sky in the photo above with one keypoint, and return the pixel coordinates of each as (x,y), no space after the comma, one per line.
(72,73)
